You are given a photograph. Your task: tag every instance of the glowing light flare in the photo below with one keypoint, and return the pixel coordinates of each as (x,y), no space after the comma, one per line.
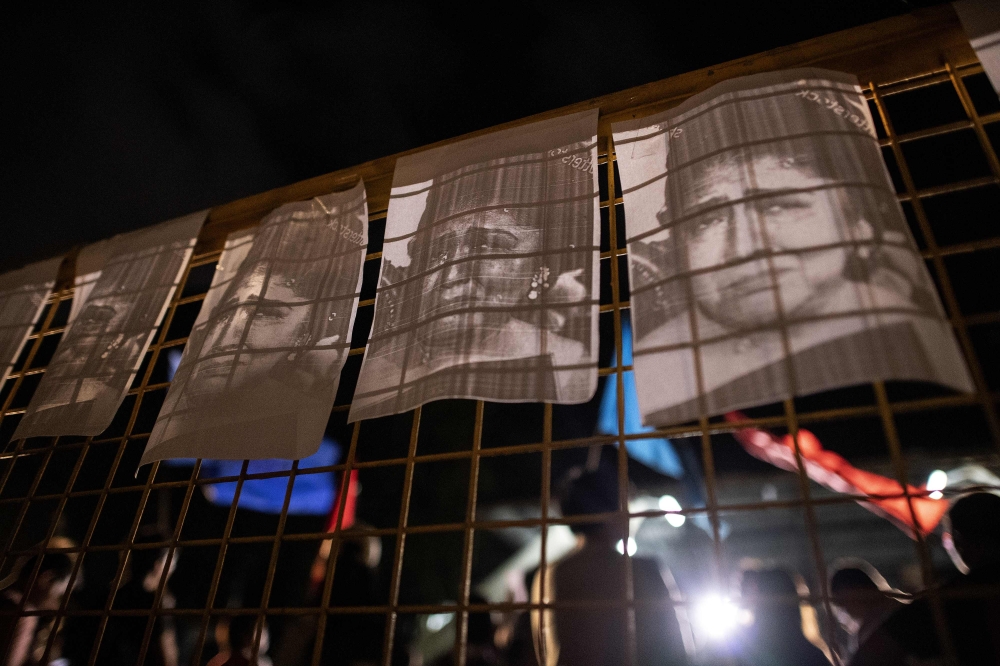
(439,621)
(936,482)
(670,503)
(632,547)
(716,617)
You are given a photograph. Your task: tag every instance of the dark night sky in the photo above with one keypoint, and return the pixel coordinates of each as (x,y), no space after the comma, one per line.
(120,117)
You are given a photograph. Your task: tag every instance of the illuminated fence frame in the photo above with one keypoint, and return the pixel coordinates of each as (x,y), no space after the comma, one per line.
(889,57)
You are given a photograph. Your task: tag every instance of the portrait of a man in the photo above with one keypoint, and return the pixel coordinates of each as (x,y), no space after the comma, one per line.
(100,353)
(22,300)
(260,372)
(488,284)
(769,256)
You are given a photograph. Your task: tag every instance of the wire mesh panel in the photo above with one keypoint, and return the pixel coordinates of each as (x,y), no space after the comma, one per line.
(450,526)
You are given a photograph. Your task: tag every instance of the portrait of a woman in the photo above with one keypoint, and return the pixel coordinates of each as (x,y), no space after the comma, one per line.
(491,293)
(780,262)
(261,368)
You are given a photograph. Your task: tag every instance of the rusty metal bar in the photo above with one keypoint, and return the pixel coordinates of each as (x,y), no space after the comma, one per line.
(335,541)
(628,593)
(397,564)
(465,583)
(923,553)
(948,292)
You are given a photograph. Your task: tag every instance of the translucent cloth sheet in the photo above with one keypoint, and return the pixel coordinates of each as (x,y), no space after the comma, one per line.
(100,353)
(981,20)
(489,282)
(89,263)
(768,255)
(22,299)
(260,371)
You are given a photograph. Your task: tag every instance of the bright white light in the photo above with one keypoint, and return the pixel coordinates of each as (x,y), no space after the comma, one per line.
(669,503)
(936,482)
(715,617)
(632,547)
(438,621)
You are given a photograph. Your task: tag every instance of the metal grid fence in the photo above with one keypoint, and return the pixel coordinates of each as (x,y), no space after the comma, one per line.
(45,482)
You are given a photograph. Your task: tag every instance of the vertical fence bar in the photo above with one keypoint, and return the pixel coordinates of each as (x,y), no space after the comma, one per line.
(920,544)
(948,292)
(273,564)
(468,548)
(623,508)
(544,535)
(335,540)
(888,424)
(811,529)
(56,298)
(397,564)
(19,447)
(171,550)
(213,589)
(122,445)
(17,526)
(977,122)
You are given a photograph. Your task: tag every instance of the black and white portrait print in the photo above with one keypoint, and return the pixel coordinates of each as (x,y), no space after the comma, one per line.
(89,263)
(22,300)
(260,372)
(768,254)
(100,353)
(489,275)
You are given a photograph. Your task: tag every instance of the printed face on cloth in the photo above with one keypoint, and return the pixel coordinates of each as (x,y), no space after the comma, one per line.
(487,259)
(99,354)
(22,300)
(768,221)
(489,273)
(251,320)
(260,372)
(768,254)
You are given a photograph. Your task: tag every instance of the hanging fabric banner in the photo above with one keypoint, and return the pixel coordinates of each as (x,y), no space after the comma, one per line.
(768,255)
(89,263)
(489,282)
(260,371)
(100,353)
(981,21)
(22,300)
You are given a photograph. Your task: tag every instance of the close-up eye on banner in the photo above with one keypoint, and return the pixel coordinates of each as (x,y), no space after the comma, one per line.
(260,371)
(100,353)
(22,300)
(489,282)
(768,254)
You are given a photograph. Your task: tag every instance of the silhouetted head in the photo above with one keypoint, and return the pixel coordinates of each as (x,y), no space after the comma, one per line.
(592,492)
(241,632)
(974,527)
(854,590)
(772,597)
(51,582)
(481,627)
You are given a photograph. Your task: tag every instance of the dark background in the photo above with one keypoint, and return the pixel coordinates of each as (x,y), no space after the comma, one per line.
(118,116)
